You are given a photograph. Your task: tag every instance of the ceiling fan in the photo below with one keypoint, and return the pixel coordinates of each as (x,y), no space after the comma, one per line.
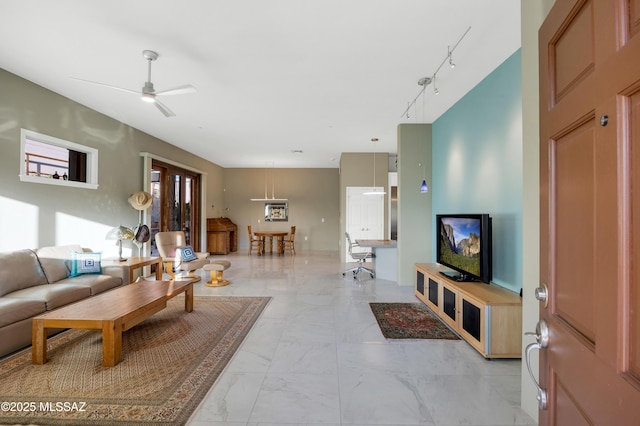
(148,92)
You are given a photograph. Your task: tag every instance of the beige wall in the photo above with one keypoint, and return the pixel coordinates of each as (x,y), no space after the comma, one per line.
(312,199)
(356,169)
(532,16)
(415,234)
(36,215)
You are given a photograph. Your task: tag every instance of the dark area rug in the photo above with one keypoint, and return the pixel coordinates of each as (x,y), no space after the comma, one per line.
(169,363)
(410,321)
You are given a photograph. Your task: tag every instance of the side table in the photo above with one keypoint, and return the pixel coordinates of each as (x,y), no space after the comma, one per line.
(137,262)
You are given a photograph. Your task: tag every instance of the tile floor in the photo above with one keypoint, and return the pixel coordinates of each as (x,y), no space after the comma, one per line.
(317,357)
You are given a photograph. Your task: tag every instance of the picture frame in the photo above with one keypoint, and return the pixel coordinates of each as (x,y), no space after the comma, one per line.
(276,212)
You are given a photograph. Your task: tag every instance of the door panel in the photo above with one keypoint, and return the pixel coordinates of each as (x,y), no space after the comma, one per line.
(175,202)
(365,217)
(589,125)
(573,164)
(634,311)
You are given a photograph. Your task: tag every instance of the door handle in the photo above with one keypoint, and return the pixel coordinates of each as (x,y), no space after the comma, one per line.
(542,341)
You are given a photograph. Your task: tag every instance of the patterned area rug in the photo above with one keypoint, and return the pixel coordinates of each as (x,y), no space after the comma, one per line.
(169,363)
(410,321)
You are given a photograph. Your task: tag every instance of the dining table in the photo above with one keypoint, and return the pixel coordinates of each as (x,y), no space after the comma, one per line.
(270,235)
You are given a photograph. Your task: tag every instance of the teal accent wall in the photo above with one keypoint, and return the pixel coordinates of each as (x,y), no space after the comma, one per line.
(477,164)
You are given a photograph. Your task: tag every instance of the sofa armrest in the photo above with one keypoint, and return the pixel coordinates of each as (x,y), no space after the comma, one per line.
(118,271)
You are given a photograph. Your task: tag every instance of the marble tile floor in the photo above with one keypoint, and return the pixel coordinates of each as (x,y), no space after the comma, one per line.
(317,357)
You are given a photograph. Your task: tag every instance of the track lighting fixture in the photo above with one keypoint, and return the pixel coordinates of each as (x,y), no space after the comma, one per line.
(427,80)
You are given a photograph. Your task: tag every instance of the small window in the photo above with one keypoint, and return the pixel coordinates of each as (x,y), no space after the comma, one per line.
(49,160)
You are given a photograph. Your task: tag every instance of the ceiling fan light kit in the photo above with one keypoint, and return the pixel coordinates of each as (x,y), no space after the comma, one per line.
(148,92)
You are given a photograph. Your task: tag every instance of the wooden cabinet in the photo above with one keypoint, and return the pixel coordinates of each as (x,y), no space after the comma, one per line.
(487,316)
(222,235)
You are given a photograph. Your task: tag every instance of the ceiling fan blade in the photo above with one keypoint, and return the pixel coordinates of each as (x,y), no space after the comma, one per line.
(187,88)
(136,92)
(163,109)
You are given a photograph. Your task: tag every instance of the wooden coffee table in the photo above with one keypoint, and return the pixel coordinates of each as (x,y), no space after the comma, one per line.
(113,312)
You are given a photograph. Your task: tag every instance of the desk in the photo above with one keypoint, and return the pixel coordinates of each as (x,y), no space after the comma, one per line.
(386,257)
(263,235)
(136,262)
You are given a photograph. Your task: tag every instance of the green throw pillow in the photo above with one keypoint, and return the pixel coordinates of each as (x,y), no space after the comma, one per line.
(85,263)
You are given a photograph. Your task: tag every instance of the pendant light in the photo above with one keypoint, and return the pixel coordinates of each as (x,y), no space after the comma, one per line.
(374,191)
(423,187)
(273,185)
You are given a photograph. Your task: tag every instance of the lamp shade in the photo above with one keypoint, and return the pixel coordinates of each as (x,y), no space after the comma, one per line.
(120,233)
(424,188)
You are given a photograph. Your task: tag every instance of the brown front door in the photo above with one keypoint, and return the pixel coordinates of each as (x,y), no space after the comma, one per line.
(590,212)
(176,195)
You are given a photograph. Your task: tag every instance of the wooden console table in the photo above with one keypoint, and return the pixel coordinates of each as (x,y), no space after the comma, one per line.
(487,316)
(136,262)
(109,313)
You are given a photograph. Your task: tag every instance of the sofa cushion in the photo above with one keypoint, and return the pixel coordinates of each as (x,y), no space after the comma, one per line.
(56,261)
(85,263)
(53,295)
(14,310)
(95,283)
(19,269)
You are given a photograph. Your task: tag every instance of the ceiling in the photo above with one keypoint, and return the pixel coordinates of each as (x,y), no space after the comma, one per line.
(272,77)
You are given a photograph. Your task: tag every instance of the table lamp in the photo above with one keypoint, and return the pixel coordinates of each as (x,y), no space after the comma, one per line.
(120,233)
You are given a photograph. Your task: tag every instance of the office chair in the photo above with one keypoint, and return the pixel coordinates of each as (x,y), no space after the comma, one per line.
(359,257)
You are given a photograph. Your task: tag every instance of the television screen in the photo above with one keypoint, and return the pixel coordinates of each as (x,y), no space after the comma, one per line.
(464,245)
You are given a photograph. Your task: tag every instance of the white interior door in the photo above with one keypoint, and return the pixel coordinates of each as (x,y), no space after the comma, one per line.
(365,216)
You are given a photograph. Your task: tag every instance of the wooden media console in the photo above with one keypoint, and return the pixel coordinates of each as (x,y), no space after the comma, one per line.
(487,316)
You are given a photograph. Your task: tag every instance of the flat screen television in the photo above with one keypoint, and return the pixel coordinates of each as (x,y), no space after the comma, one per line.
(464,245)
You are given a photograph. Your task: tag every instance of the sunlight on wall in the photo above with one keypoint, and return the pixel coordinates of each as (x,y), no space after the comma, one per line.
(89,234)
(19,225)
(455,172)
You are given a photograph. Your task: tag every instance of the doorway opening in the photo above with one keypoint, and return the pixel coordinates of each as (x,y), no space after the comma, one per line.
(176,203)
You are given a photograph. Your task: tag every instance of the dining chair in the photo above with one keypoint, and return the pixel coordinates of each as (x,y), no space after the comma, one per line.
(287,242)
(254,242)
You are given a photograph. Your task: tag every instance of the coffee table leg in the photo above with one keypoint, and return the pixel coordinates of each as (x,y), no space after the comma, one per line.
(188,299)
(111,343)
(159,271)
(38,342)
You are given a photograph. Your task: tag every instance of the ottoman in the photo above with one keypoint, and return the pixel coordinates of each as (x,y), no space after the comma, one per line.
(216,268)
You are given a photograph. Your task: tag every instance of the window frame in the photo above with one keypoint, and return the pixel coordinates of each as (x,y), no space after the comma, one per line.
(92,160)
